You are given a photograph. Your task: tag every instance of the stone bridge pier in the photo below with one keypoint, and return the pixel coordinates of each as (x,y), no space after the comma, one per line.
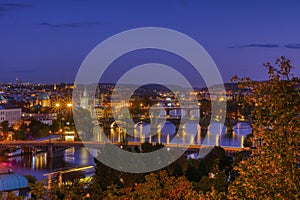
(54,151)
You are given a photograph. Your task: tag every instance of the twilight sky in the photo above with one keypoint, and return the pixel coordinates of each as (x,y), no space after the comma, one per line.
(46,41)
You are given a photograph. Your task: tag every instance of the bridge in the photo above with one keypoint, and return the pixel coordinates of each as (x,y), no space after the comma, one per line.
(56,148)
(110,123)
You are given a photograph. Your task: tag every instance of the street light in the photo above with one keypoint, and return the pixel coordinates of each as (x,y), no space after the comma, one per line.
(69,105)
(49,135)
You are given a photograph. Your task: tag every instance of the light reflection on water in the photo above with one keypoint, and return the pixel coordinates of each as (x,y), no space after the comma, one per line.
(39,164)
(216,134)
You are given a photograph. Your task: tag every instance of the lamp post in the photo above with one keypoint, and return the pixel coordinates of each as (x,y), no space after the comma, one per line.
(49,136)
(69,107)
(57,108)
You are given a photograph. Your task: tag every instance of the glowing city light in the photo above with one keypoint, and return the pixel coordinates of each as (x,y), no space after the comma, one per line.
(69,105)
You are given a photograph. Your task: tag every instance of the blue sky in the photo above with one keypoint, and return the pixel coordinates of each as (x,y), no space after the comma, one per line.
(46,41)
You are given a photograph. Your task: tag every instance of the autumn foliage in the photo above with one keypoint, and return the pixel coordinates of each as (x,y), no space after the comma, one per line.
(273,170)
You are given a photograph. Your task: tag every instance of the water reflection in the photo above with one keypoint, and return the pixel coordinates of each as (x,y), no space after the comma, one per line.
(38,164)
(191,134)
(242,128)
(39,161)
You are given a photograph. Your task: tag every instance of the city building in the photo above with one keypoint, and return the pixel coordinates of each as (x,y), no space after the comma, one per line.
(43,99)
(10,113)
(2,100)
(15,183)
(40,116)
(69,135)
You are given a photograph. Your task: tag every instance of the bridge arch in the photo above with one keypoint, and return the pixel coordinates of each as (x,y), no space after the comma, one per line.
(166,128)
(115,123)
(233,124)
(194,113)
(217,128)
(166,131)
(142,128)
(191,128)
(158,112)
(242,128)
(177,112)
(191,133)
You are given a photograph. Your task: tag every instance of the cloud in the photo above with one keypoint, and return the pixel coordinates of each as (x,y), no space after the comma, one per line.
(9,7)
(71,25)
(255,45)
(292,46)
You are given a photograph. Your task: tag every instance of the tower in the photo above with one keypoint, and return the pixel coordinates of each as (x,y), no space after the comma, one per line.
(97,100)
(84,100)
(17,81)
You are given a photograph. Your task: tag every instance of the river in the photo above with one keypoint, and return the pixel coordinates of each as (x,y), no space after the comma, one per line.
(38,165)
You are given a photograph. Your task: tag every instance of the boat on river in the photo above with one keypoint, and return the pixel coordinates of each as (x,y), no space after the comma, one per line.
(14,151)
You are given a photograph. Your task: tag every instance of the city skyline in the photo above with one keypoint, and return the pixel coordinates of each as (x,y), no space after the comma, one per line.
(174,99)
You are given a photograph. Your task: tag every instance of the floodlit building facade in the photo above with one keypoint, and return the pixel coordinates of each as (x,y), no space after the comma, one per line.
(9,113)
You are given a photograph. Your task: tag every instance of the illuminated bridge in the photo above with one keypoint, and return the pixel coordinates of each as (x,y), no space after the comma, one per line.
(56,148)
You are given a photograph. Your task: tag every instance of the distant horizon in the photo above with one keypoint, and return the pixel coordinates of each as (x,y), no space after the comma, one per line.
(129,84)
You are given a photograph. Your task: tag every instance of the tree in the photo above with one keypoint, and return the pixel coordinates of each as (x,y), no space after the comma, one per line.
(38,129)
(31,179)
(20,134)
(202,169)
(272,172)
(38,190)
(5,125)
(5,128)
(217,156)
(219,182)
(203,185)
(156,186)
(94,190)
(77,189)
(12,196)
(106,176)
(55,126)
(177,170)
(72,190)
(248,140)
(192,173)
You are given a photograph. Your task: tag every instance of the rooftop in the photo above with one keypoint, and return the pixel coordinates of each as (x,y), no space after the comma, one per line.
(8,106)
(12,182)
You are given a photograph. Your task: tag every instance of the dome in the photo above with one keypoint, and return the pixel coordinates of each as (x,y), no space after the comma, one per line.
(43,96)
(2,99)
(12,182)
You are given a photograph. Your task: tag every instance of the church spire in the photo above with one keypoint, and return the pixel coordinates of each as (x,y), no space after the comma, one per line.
(97,96)
(84,92)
